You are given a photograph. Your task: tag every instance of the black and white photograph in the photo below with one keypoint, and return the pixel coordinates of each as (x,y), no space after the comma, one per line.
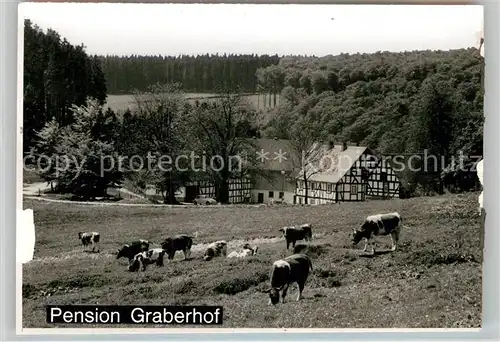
(285,166)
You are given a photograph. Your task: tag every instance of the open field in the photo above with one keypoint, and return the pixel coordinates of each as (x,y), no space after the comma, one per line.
(433,280)
(122,102)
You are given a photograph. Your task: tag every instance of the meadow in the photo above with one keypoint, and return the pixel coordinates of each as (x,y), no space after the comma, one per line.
(122,102)
(432,281)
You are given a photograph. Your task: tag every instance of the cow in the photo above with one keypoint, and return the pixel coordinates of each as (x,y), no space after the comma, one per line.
(215,249)
(253,250)
(176,243)
(292,269)
(379,225)
(136,262)
(129,251)
(145,258)
(92,238)
(294,234)
(247,251)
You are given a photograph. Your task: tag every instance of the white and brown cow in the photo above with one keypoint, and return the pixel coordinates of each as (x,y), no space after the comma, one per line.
(292,269)
(215,249)
(152,256)
(246,251)
(379,225)
(92,238)
(294,234)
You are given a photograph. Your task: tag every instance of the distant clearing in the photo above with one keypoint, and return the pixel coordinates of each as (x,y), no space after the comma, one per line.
(122,102)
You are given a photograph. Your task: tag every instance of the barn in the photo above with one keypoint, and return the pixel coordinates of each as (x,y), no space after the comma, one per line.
(345,173)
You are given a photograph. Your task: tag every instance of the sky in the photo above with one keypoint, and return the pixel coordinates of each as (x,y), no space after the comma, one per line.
(174,29)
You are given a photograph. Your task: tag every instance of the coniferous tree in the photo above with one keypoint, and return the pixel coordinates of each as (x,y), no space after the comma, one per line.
(57,75)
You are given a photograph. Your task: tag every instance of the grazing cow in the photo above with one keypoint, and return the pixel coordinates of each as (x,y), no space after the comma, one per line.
(215,249)
(292,269)
(381,224)
(179,242)
(247,251)
(129,251)
(136,262)
(151,256)
(92,238)
(294,234)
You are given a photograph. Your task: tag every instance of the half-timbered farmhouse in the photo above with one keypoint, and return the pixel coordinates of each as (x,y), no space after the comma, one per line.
(277,158)
(334,173)
(341,173)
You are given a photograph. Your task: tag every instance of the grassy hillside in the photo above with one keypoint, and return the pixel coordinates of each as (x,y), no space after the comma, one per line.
(434,280)
(122,102)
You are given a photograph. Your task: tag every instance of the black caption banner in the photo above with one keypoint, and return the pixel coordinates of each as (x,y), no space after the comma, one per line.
(134,314)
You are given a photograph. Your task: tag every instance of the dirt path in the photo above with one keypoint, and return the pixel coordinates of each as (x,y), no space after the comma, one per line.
(197,249)
(44,199)
(35,188)
(128,192)
(219,206)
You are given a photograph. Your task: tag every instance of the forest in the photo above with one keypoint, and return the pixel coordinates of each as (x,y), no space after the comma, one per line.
(197,74)
(56,76)
(394,103)
(407,103)
(369,99)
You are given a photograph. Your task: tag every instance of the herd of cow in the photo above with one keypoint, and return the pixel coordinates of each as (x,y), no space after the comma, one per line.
(284,272)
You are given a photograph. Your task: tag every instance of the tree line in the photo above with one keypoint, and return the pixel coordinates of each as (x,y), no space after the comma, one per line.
(394,103)
(57,75)
(197,74)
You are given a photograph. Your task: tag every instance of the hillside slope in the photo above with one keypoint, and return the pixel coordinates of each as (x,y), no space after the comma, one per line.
(432,281)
